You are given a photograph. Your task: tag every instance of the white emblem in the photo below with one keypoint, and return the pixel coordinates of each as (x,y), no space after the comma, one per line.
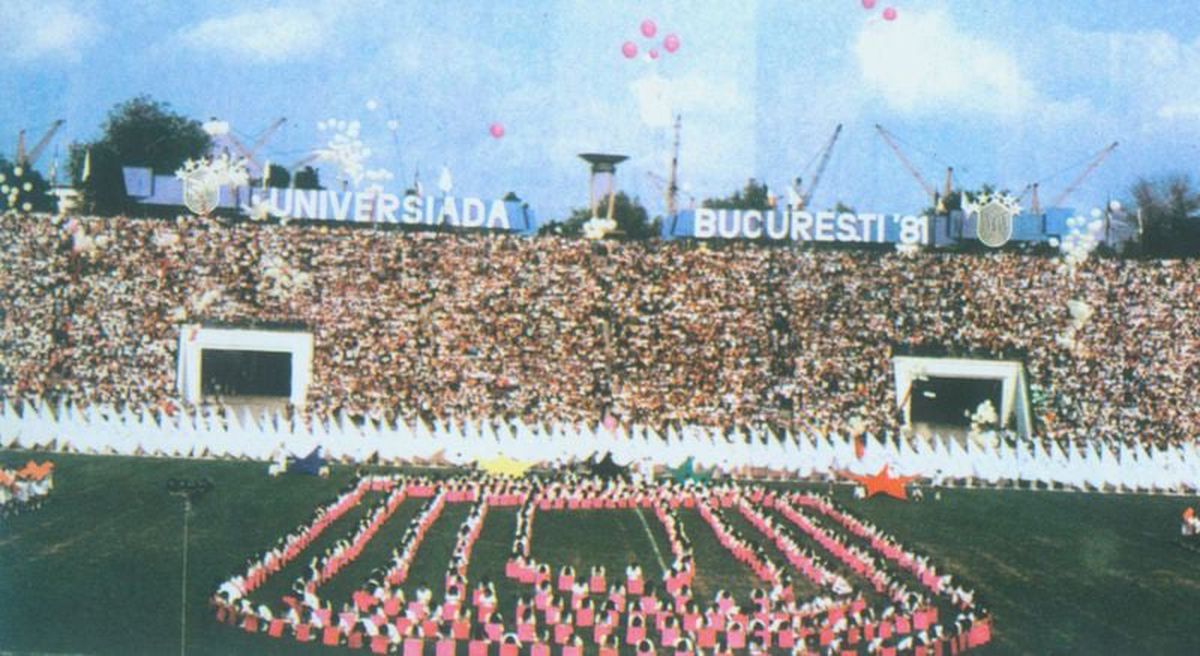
(200,195)
(993,218)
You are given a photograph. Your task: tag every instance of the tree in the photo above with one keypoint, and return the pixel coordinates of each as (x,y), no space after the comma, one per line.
(138,132)
(1170,216)
(632,219)
(29,189)
(278,177)
(307,178)
(145,132)
(754,196)
(103,192)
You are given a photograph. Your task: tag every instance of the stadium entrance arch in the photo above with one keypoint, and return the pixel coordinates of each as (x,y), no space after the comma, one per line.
(251,365)
(939,394)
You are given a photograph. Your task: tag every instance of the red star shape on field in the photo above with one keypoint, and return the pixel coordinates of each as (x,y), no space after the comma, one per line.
(884,483)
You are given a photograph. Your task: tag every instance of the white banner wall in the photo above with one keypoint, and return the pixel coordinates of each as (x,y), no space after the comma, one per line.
(987,459)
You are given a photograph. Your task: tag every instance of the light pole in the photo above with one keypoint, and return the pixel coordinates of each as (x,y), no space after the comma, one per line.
(189,490)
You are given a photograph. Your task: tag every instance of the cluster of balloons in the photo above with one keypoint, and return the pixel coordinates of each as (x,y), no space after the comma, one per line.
(349,152)
(670,42)
(889,14)
(1083,237)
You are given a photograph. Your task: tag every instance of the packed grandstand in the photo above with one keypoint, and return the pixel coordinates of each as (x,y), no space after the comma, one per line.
(547,329)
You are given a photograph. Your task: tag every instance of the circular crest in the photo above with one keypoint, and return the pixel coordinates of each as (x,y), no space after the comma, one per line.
(994,224)
(200,197)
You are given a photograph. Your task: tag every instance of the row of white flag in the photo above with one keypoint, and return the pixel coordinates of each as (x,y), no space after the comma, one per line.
(268,436)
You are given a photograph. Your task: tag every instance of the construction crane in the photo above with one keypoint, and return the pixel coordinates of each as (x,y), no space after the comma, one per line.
(267,133)
(1035,203)
(665,184)
(249,153)
(890,140)
(308,159)
(28,159)
(825,154)
(1093,163)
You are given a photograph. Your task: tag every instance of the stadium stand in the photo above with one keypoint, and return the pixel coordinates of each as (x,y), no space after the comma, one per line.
(556,330)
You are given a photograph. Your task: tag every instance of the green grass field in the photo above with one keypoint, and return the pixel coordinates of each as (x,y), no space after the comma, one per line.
(97,569)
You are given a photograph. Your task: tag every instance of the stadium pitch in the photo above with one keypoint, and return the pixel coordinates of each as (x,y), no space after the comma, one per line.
(97,569)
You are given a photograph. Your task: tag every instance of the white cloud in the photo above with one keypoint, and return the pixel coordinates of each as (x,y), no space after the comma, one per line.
(35,30)
(265,36)
(1180,111)
(451,60)
(659,99)
(709,94)
(1146,77)
(925,64)
(653,95)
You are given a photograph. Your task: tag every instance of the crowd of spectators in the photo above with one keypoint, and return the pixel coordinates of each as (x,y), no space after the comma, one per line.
(570,331)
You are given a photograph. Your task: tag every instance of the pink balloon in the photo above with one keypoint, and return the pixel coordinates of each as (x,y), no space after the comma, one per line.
(671,43)
(629,50)
(889,14)
(868,4)
(649,28)
(496,130)
(654,53)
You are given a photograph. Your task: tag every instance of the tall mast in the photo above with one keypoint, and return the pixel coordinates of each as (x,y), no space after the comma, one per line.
(672,190)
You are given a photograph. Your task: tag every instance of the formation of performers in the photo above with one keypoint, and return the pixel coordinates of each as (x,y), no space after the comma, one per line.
(25,488)
(1190,523)
(875,596)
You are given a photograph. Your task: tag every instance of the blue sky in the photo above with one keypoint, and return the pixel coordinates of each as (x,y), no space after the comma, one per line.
(1006,91)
